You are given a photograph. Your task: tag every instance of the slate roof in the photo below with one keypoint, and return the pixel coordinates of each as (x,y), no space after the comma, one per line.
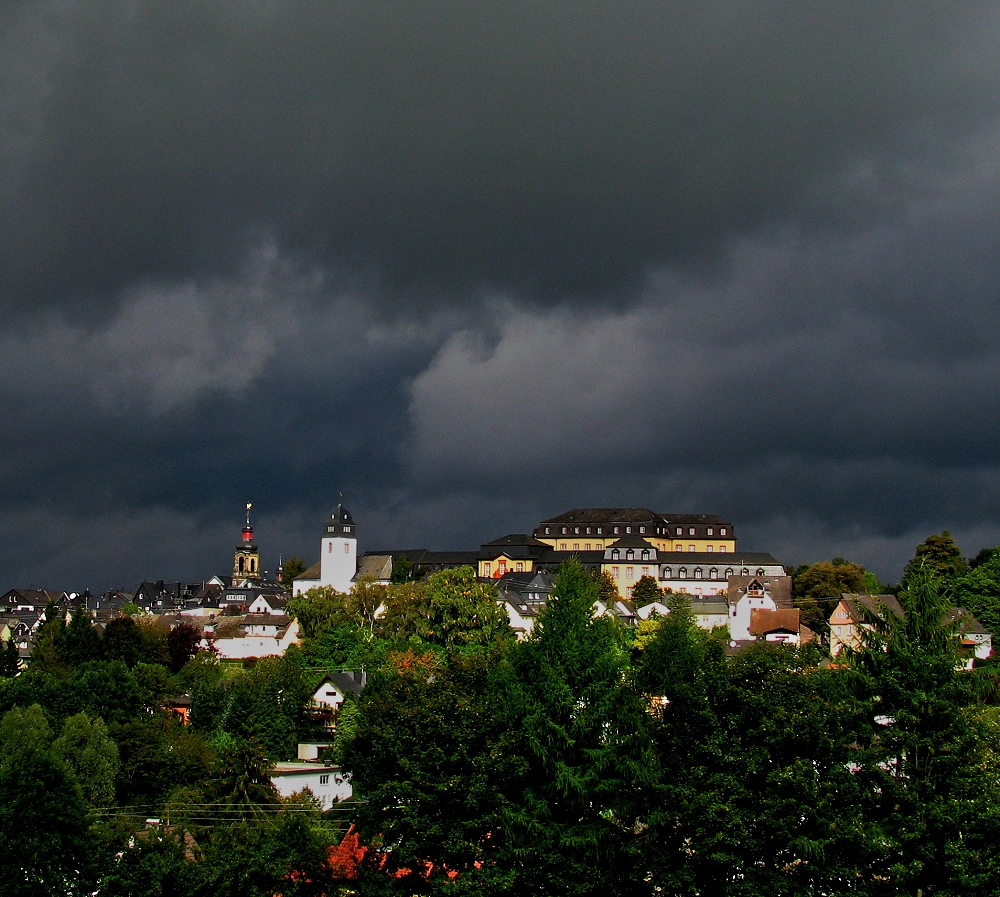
(633,541)
(310,573)
(377,566)
(778,587)
(604,515)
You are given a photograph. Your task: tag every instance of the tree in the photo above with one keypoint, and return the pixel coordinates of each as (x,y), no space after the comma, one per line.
(124,640)
(45,845)
(183,643)
(81,641)
(585,738)
(91,757)
(290,569)
(936,819)
(429,758)
(318,610)
(45,655)
(402,570)
(10,659)
(938,555)
(817,588)
(978,591)
(646,591)
(242,781)
(607,588)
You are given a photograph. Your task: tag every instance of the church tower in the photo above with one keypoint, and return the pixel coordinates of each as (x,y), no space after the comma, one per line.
(339,550)
(246,561)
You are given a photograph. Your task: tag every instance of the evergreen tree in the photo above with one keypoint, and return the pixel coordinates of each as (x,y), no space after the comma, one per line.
(81,641)
(584,736)
(10,660)
(938,556)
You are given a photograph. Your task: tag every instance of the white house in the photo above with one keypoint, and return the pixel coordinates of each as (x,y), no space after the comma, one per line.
(746,594)
(329,784)
(251,641)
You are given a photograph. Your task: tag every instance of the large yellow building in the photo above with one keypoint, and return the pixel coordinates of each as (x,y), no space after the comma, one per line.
(594,529)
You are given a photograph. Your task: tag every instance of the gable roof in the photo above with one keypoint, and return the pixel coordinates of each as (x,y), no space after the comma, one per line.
(784,619)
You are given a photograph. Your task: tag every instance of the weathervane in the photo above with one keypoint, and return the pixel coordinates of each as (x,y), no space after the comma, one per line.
(249,506)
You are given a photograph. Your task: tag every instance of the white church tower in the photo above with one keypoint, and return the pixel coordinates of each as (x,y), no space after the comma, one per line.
(338,560)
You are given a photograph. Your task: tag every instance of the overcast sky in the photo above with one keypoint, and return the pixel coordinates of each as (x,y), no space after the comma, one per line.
(474,264)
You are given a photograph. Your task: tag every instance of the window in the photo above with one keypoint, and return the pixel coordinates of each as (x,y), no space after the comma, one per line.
(697,572)
(690,548)
(722,530)
(324,779)
(628,529)
(729,572)
(680,531)
(630,572)
(520,567)
(562,547)
(667,573)
(487,568)
(586,547)
(329,548)
(616,530)
(253,565)
(642,529)
(576,531)
(690,530)
(588,530)
(628,592)
(565,531)
(746,572)
(711,531)
(629,555)
(682,573)
(645,571)
(615,554)
(576,546)
(600,530)
(614,572)
(547,530)
(709,548)
(645,554)
(347,529)
(502,567)
(760,571)
(241,563)
(714,573)
(722,549)
(347,548)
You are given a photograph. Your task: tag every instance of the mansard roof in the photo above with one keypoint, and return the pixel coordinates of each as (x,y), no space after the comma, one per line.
(632,542)
(604,515)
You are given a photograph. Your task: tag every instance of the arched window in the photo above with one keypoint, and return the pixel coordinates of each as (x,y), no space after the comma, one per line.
(760,571)
(729,572)
(746,572)
(645,554)
(697,572)
(253,565)
(614,554)
(629,555)
(242,562)
(667,573)
(682,573)
(714,573)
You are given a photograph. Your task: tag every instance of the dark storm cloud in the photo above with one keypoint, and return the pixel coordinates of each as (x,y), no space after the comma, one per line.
(554,149)
(474,264)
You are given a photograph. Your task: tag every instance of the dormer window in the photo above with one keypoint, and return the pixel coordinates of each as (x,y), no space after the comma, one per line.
(588,530)
(642,529)
(667,573)
(628,529)
(565,530)
(347,529)
(711,531)
(680,531)
(714,573)
(760,572)
(645,554)
(629,555)
(600,530)
(722,531)
(616,530)
(682,573)
(614,554)
(576,531)
(690,530)
(697,572)
(547,530)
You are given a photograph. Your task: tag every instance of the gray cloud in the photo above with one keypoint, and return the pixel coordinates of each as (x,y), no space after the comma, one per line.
(474,264)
